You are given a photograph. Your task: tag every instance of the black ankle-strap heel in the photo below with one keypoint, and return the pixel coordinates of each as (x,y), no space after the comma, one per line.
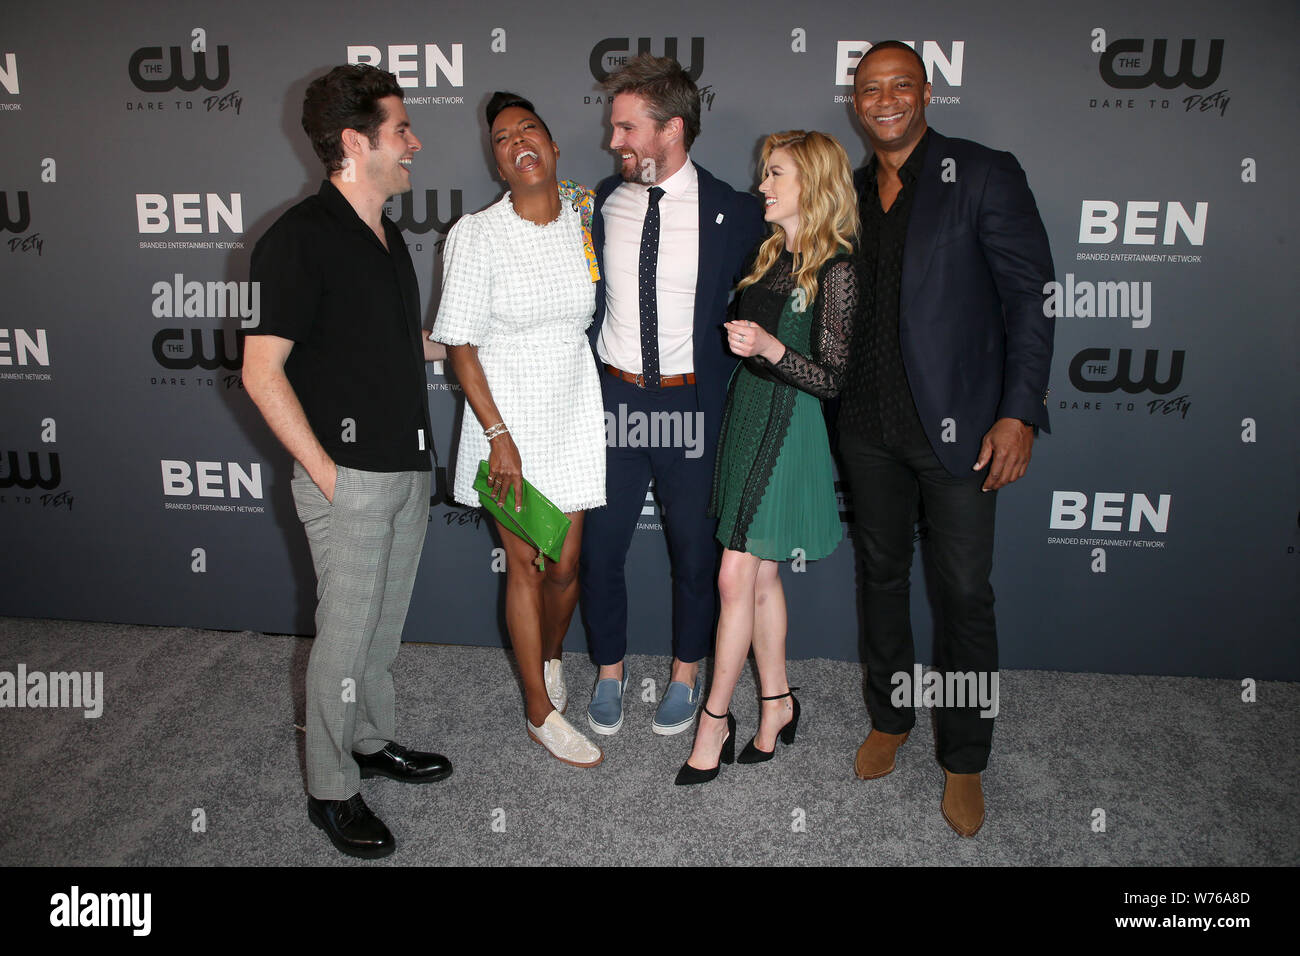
(689,775)
(751,754)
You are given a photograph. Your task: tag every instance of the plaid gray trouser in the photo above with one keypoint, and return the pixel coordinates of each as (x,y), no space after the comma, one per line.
(366,548)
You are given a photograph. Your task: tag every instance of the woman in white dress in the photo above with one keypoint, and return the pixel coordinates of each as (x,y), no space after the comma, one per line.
(518,294)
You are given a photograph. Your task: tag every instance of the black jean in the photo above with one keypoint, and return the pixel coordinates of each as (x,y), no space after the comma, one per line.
(886,485)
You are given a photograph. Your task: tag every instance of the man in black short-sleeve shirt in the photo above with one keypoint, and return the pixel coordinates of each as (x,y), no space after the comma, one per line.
(336,369)
(351,309)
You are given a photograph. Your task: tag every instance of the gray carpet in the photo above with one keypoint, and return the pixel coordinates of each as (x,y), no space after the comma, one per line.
(1186,773)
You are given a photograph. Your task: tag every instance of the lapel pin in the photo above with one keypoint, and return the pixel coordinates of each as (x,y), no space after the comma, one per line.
(719,219)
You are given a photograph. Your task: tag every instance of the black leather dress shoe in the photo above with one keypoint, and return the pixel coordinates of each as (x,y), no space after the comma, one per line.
(408,766)
(351,826)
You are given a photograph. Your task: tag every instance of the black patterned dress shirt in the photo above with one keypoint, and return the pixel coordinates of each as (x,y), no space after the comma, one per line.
(877,400)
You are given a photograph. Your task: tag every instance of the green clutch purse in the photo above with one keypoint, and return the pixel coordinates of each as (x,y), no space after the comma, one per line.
(538,522)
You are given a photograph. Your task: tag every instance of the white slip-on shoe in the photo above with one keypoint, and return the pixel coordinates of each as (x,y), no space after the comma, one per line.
(565,744)
(553,674)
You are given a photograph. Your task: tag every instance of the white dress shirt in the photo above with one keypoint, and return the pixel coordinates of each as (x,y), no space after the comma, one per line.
(624,211)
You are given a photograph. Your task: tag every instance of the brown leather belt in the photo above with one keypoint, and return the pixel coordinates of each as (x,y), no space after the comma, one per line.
(665,381)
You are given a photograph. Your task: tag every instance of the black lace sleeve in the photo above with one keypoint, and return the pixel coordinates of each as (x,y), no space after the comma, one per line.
(837,306)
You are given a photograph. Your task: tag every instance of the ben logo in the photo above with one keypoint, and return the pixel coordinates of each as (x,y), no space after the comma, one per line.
(25,348)
(405,63)
(154,71)
(1092,370)
(9,74)
(1099,222)
(188,349)
(1107,511)
(41,469)
(937,63)
(18,219)
(1127,65)
(612,53)
(188,213)
(431,220)
(211,479)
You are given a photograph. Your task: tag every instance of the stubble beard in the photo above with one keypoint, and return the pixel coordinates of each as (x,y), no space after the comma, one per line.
(637,172)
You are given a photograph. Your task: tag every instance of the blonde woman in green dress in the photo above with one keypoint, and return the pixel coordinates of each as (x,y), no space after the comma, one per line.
(773,490)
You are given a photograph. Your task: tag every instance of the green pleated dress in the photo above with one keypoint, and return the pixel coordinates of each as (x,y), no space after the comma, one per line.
(773,487)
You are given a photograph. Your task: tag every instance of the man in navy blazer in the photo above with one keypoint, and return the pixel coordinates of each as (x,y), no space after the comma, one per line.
(671,241)
(946,389)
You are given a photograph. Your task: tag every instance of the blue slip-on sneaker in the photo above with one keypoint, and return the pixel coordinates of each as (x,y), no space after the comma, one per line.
(605,712)
(676,711)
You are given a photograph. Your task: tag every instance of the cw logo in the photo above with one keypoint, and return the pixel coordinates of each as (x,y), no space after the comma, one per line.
(1129,54)
(146,70)
(24,219)
(12,474)
(171,352)
(1096,362)
(612,53)
(406,221)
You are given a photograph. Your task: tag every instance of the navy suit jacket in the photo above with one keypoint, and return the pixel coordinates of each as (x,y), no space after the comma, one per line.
(731,223)
(976,345)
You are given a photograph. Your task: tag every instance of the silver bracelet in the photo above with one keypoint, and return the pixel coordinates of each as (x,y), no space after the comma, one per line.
(498,429)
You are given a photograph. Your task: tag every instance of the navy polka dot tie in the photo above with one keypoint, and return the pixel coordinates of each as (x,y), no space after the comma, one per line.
(646,284)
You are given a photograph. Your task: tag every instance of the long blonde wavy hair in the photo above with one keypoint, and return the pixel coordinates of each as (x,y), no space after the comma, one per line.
(828,207)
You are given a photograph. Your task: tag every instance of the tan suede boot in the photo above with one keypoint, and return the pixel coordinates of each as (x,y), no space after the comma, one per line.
(963,802)
(876,755)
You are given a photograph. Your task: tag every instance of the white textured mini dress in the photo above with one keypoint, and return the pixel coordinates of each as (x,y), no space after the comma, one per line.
(523,294)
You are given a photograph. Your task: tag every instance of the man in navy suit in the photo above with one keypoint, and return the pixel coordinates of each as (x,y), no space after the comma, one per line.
(946,389)
(671,242)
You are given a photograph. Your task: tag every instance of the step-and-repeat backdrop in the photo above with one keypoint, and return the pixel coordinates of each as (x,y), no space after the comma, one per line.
(146,150)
